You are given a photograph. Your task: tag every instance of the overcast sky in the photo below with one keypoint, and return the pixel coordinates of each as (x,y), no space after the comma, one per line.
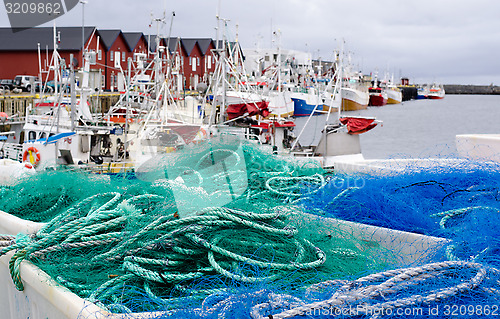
(444,41)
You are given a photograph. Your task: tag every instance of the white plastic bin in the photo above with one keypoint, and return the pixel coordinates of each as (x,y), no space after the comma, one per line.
(409,249)
(44,298)
(12,225)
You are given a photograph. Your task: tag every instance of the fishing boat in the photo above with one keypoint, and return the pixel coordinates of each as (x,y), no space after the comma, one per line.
(59,129)
(319,99)
(354,98)
(241,109)
(394,94)
(313,102)
(339,141)
(281,104)
(436,91)
(422,92)
(354,92)
(378,96)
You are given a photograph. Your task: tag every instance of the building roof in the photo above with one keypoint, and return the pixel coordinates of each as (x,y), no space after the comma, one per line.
(109,37)
(27,40)
(189,45)
(205,44)
(132,38)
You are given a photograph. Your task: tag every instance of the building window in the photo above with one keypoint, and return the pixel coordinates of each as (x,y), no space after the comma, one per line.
(112,55)
(198,61)
(99,55)
(209,61)
(123,56)
(194,64)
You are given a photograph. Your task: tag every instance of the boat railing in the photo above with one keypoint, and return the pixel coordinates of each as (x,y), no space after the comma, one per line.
(11,151)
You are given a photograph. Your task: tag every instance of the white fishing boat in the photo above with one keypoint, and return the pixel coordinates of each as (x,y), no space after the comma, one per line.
(354,95)
(280,104)
(436,91)
(239,108)
(394,94)
(354,92)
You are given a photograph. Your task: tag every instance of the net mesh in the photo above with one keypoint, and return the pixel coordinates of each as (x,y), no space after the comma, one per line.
(227,230)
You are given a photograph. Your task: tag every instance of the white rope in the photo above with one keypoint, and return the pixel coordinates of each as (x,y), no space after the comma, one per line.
(395,280)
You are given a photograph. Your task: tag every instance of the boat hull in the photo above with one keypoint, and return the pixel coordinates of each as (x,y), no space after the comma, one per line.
(301,108)
(392,101)
(394,96)
(353,100)
(377,100)
(280,105)
(435,97)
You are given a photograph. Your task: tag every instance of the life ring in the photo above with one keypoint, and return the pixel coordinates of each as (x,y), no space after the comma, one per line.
(32,155)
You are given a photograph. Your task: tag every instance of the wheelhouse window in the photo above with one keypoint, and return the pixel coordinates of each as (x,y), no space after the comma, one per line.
(31,135)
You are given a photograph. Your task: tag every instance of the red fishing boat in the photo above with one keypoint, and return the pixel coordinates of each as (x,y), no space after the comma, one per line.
(378,97)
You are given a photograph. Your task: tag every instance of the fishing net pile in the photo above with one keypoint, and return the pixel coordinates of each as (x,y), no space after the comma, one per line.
(226,230)
(211,226)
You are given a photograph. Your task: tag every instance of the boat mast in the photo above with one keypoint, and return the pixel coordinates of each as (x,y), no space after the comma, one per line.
(278,35)
(224,74)
(56,73)
(340,77)
(56,60)
(73,93)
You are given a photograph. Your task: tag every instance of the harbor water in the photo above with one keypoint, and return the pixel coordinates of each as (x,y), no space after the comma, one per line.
(418,128)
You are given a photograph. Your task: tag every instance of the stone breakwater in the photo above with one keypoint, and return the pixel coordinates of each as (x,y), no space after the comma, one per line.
(471,89)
